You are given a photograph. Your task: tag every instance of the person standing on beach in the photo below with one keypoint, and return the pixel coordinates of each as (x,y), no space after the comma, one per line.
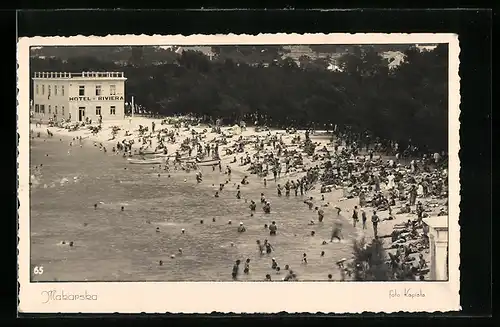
(321,215)
(363,218)
(355,217)
(413,195)
(375,221)
(362,198)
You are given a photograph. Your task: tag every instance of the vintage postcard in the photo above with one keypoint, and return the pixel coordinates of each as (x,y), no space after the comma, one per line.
(313,173)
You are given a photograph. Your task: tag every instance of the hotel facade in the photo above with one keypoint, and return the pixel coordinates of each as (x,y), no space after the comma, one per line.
(59,95)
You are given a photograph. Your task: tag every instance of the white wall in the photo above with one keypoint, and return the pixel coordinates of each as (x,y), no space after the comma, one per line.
(439,254)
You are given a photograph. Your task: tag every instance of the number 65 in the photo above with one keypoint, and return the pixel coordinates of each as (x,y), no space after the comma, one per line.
(38,270)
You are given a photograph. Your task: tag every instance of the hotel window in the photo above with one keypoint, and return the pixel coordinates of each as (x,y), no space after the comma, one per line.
(42,109)
(55,110)
(50,109)
(112,110)
(62,110)
(112,90)
(98,90)
(48,91)
(55,89)
(81,90)
(43,89)
(62,90)
(37,108)
(98,110)
(37,89)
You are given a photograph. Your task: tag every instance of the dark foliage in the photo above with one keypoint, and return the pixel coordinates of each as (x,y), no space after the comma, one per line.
(372,263)
(408,102)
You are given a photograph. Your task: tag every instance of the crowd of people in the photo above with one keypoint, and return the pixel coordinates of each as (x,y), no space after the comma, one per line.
(380,176)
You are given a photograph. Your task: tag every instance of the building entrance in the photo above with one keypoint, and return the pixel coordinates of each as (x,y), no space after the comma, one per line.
(81,113)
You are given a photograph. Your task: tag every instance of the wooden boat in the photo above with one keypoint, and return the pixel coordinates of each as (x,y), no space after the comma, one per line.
(150,152)
(187,158)
(162,155)
(145,161)
(210,162)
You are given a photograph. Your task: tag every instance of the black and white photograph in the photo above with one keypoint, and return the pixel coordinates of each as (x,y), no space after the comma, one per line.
(259,163)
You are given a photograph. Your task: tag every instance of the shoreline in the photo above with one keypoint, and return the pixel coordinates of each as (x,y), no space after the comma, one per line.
(334,198)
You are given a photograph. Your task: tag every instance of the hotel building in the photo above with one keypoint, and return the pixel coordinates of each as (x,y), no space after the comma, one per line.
(59,95)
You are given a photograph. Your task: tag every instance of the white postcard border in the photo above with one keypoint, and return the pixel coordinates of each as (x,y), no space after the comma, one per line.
(238,297)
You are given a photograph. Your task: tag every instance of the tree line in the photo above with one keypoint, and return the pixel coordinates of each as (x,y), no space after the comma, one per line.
(406,104)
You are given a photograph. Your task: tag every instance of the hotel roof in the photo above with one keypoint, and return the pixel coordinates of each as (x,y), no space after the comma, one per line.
(437,222)
(82,75)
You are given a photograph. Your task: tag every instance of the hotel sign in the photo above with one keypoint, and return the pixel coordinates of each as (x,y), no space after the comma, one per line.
(101,98)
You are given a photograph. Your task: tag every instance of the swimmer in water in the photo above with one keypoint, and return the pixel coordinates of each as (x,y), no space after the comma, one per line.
(322,253)
(95,206)
(273,229)
(216,194)
(241,228)
(274,264)
(269,247)
(247,267)
(304,258)
(236,269)
(123,208)
(260,247)
(252,206)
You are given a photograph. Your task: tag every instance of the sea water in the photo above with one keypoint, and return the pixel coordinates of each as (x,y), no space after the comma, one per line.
(115,245)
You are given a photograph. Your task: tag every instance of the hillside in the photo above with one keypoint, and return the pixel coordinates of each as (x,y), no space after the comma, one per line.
(249,54)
